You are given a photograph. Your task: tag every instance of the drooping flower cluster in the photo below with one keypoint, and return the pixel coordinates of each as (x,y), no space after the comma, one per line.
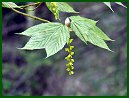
(69,58)
(54,9)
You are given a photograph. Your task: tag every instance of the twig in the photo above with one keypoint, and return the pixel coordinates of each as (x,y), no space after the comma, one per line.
(34,17)
(34,8)
(24,6)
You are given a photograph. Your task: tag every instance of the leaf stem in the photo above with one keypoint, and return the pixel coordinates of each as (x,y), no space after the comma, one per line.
(34,17)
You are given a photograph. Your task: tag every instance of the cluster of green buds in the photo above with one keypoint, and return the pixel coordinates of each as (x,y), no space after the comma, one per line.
(54,9)
(69,58)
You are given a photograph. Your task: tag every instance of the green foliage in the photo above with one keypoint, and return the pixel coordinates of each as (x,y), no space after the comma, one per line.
(51,36)
(87,30)
(56,7)
(64,7)
(27,73)
(52,6)
(9,5)
(119,3)
(109,4)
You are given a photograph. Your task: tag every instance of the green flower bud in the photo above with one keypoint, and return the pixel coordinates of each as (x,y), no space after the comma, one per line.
(69,56)
(54,4)
(71,47)
(71,73)
(70,41)
(67,49)
(68,69)
(67,65)
(72,67)
(54,9)
(72,60)
(71,53)
(70,63)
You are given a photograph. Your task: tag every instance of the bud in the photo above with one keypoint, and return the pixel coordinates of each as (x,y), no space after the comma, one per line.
(67,49)
(67,22)
(72,60)
(71,53)
(70,41)
(54,9)
(71,47)
(71,73)
(54,3)
(72,67)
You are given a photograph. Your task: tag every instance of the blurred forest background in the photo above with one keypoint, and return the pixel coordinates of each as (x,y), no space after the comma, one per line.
(98,72)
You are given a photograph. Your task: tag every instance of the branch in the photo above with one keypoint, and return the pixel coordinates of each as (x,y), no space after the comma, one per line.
(34,8)
(27,15)
(33,4)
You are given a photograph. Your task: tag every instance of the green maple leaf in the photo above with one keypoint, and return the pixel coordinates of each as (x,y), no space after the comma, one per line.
(9,5)
(51,36)
(109,4)
(64,7)
(87,31)
(60,7)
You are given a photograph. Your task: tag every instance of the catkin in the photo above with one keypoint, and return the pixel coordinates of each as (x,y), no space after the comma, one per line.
(69,58)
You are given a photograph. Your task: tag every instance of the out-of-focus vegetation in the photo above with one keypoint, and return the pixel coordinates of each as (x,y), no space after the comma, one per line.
(97,71)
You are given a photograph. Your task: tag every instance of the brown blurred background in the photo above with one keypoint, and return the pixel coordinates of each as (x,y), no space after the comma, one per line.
(97,72)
